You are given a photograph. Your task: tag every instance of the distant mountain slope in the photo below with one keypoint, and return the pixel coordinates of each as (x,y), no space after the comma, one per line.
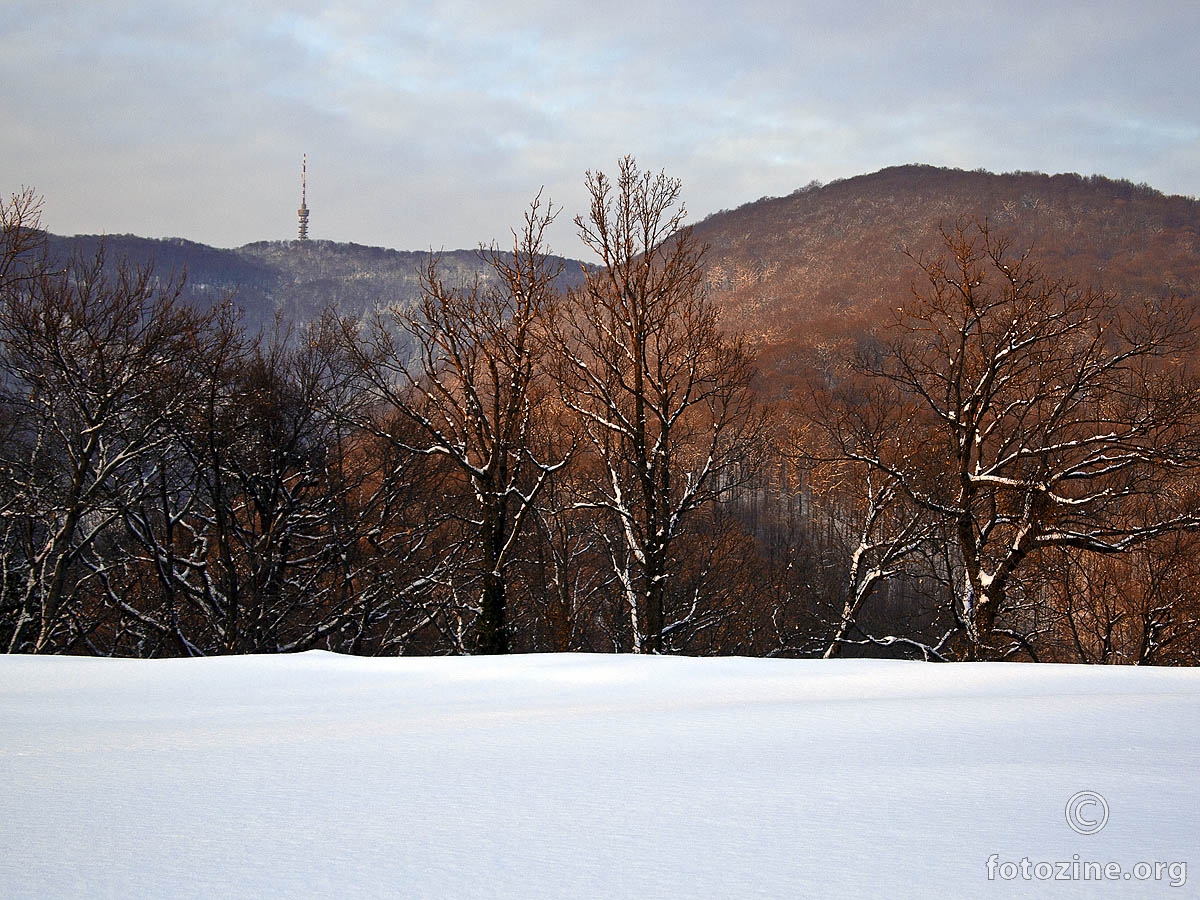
(296,279)
(816,267)
(828,260)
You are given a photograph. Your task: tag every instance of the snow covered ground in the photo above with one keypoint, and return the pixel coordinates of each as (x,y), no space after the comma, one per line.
(594,776)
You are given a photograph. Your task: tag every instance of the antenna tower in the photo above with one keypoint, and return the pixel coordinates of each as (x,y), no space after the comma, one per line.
(303,210)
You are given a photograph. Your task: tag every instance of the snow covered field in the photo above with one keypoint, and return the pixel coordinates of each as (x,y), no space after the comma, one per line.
(594,776)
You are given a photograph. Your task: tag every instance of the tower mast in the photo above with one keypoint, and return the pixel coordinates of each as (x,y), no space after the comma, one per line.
(303,210)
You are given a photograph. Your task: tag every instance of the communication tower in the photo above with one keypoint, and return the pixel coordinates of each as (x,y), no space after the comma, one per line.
(303,210)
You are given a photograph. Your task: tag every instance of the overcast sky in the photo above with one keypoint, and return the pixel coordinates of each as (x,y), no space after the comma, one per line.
(432,124)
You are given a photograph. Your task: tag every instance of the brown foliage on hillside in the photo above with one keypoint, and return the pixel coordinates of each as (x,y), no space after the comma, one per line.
(806,275)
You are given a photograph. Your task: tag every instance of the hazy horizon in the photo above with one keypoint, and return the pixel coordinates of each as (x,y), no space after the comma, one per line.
(434,125)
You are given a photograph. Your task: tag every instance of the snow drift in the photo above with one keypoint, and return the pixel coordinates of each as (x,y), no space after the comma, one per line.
(317,775)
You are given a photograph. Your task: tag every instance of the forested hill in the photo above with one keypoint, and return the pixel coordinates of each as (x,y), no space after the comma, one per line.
(828,261)
(819,265)
(296,279)
(1000,474)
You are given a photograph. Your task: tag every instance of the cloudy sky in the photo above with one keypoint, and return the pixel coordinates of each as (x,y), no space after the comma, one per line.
(432,124)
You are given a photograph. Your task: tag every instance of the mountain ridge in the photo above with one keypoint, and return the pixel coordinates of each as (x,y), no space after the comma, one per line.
(294,279)
(829,262)
(820,264)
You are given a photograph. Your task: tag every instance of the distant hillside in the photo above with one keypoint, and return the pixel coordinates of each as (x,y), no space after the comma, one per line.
(827,261)
(293,278)
(815,268)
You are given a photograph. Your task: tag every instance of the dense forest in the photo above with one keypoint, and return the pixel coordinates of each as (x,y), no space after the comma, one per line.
(925,413)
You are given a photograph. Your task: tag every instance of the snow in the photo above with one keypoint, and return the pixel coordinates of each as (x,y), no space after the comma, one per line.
(316,775)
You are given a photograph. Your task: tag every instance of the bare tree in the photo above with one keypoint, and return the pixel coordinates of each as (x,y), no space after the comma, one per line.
(1048,414)
(244,520)
(1135,608)
(89,359)
(852,441)
(22,241)
(660,394)
(472,385)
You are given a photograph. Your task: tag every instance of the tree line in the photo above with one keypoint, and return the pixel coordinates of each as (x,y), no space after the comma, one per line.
(1007,470)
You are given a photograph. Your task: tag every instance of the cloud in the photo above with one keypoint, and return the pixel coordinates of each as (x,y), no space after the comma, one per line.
(432,124)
